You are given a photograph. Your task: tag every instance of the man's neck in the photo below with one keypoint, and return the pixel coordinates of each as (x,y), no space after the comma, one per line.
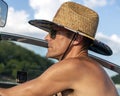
(75,52)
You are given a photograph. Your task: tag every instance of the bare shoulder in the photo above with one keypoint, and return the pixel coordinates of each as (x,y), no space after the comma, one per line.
(67,69)
(78,62)
(76,66)
(82,66)
(72,63)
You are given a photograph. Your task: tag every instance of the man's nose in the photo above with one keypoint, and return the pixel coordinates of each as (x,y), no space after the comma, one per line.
(47,37)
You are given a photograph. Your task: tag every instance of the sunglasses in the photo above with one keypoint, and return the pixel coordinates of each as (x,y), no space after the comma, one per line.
(53,33)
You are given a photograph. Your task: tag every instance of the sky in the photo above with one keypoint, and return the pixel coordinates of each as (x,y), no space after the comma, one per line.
(21,11)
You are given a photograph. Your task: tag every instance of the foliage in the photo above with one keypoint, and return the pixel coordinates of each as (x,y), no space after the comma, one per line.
(116,79)
(15,58)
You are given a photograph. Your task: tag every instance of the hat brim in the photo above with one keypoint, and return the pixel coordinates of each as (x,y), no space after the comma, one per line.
(97,46)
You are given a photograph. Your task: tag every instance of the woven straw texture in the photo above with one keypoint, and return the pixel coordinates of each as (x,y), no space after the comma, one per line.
(77,18)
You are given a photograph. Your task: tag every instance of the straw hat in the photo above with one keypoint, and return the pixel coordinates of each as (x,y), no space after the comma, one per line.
(74,17)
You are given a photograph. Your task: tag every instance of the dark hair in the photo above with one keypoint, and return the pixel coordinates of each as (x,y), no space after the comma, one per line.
(87,42)
(69,33)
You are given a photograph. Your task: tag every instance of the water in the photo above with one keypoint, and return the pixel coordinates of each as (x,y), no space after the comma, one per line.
(118,88)
(118,91)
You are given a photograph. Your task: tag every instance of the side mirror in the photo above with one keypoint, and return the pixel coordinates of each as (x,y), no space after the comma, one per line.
(3,13)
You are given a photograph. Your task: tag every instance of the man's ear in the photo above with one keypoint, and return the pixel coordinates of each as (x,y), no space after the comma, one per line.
(78,39)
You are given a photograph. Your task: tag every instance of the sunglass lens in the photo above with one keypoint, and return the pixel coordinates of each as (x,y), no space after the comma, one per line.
(53,33)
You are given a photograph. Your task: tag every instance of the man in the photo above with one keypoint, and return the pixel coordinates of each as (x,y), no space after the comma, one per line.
(76,74)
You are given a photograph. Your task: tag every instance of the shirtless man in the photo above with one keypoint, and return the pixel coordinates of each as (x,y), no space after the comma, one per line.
(76,74)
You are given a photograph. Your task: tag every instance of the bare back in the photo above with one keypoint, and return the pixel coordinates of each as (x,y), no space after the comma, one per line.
(90,79)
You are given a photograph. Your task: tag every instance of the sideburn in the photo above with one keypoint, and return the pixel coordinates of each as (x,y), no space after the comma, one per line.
(66,51)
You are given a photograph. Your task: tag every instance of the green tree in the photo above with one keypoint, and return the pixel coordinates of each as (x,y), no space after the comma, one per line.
(15,58)
(116,79)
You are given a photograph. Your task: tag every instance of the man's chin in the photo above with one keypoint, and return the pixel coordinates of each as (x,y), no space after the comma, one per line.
(51,56)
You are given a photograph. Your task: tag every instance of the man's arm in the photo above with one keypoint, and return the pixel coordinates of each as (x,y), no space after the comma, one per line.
(57,78)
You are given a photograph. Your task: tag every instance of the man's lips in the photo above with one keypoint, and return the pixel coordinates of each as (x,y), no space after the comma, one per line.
(49,47)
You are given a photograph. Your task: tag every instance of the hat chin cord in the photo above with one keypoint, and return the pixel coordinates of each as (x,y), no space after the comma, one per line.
(67,49)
